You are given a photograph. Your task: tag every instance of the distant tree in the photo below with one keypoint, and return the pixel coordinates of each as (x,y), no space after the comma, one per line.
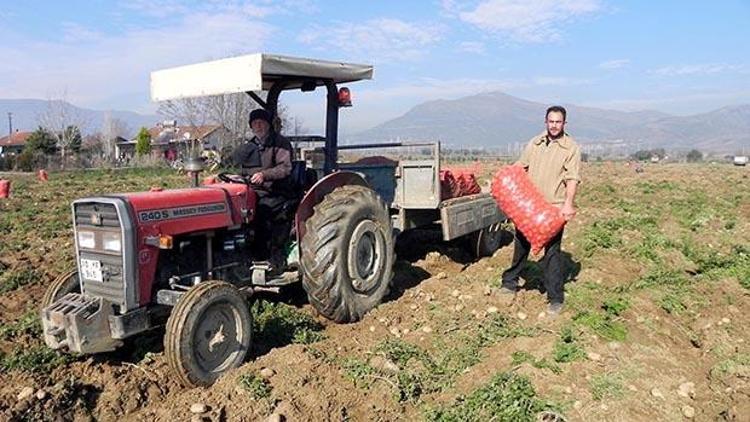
(41,140)
(143,142)
(39,145)
(641,155)
(111,129)
(59,117)
(74,138)
(694,156)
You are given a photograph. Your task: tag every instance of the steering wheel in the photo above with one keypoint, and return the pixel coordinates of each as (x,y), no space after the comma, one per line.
(231,178)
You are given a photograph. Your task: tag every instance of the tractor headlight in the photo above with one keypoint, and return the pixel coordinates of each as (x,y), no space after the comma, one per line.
(86,240)
(112,242)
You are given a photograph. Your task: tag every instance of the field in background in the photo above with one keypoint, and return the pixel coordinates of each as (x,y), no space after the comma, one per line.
(656,326)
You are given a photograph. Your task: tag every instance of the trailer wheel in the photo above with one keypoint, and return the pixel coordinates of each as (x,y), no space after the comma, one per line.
(62,285)
(347,253)
(486,241)
(208,333)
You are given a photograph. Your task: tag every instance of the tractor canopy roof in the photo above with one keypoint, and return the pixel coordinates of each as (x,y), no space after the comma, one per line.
(251,73)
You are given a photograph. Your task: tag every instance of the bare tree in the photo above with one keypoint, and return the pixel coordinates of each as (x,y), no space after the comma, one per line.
(229,111)
(112,128)
(59,118)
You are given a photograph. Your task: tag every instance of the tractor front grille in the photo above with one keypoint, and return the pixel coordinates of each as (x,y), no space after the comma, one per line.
(101,218)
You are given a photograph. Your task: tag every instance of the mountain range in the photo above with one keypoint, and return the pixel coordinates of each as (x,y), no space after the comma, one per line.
(27,112)
(493,120)
(499,120)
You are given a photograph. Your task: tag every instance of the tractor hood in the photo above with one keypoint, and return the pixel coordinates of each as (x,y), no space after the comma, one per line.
(178,211)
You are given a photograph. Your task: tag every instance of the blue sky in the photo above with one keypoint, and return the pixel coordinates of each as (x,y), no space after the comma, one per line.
(678,57)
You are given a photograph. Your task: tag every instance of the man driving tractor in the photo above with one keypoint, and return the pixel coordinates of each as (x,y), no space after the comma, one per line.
(266,161)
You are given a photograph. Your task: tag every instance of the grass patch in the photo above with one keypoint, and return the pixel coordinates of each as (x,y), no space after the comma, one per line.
(520,357)
(420,372)
(661,276)
(615,306)
(733,366)
(507,397)
(257,387)
(14,280)
(567,348)
(673,303)
(28,324)
(607,385)
(34,359)
(279,324)
(603,325)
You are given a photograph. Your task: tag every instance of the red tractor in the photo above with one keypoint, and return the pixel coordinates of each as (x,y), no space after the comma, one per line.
(183,256)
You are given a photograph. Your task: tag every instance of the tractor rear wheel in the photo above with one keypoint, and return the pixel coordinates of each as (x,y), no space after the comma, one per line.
(208,333)
(347,253)
(485,242)
(62,285)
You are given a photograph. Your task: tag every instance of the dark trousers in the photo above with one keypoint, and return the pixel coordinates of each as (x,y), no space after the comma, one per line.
(272,228)
(551,265)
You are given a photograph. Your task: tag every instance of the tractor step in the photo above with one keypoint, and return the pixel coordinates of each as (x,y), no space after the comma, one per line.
(261,277)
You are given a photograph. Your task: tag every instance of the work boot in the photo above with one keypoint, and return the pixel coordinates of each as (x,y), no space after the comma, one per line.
(555,309)
(506,291)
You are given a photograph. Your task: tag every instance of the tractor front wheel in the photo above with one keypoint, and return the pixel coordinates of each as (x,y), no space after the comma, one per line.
(208,333)
(347,253)
(62,285)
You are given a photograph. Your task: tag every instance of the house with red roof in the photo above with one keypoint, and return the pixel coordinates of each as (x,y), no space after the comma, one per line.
(13,144)
(170,140)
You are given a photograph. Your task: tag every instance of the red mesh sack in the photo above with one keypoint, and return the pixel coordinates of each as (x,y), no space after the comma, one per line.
(467,183)
(448,185)
(538,220)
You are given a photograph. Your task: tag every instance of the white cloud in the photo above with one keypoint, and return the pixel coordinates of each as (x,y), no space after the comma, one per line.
(559,81)
(471,47)
(109,66)
(375,40)
(73,33)
(524,21)
(614,64)
(697,69)
(253,9)
(687,103)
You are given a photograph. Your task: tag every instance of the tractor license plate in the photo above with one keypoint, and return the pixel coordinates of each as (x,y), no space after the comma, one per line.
(91,269)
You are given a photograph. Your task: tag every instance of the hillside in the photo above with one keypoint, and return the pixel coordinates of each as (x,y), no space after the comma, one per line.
(496,119)
(26,114)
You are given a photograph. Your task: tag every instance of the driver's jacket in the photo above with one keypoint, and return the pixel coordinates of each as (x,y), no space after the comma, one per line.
(272,158)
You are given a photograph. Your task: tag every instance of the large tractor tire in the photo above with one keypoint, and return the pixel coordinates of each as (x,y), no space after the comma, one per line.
(347,253)
(485,242)
(208,333)
(62,285)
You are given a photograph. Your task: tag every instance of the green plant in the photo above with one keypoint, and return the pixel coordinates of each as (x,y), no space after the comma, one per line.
(358,372)
(520,357)
(615,306)
(256,386)
(566,348)
(34,359)
(28,324)
(507,397)
(278,324)
(14,280)
(143,142)
(603,325)
(608,385)
(672,302)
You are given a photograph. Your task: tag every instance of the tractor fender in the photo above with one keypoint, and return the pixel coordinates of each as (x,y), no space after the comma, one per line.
(316,194)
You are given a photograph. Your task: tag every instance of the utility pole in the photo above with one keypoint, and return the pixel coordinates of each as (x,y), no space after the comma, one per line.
(10,125)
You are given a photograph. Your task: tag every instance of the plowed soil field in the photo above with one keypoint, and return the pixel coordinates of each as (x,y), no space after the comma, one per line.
(656,324)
